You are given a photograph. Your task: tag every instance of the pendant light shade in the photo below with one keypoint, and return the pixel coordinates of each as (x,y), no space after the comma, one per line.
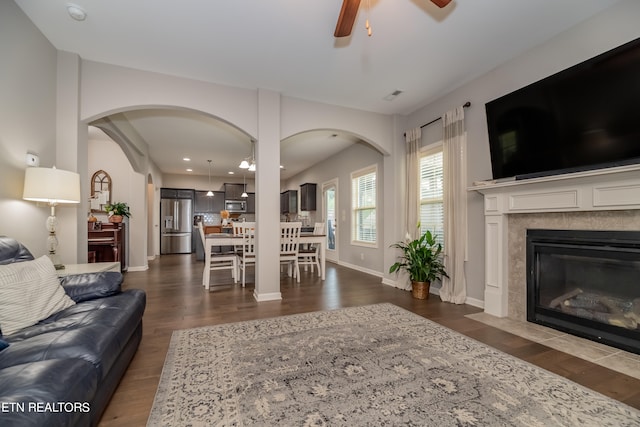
(244,194)
(209,193)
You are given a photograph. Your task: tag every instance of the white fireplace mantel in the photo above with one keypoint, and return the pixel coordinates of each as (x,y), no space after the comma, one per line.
(597,190)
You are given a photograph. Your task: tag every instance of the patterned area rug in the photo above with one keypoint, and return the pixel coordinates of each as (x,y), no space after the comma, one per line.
(372,365)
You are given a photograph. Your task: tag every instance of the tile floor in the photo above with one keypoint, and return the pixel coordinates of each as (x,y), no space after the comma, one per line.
(610,357)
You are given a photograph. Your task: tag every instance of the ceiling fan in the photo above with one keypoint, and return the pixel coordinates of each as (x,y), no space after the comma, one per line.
(350,9)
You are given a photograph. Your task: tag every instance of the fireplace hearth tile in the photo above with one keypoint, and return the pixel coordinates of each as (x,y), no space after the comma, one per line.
(626,363)
(600,354)
(582,348)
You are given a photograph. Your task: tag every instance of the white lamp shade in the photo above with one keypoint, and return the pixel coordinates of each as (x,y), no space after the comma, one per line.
(51,185)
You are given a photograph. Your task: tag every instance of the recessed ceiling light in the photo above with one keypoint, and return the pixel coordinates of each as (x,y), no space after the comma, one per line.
(186,159)
(76,12)
(189,170)
(231,172)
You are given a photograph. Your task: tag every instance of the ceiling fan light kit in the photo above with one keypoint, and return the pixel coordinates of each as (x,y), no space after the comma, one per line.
(349,11)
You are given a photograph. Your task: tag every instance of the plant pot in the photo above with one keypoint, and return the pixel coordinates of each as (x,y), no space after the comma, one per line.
(420,290)
(115,219)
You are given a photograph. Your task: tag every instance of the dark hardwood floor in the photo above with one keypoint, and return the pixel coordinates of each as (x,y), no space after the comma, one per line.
(177,300)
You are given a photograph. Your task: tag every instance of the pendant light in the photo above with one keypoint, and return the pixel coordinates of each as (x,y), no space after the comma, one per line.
(244,194)
(252,166)
(244,164)
(209,193)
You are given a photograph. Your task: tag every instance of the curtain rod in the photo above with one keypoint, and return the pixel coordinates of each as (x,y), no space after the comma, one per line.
(465,105)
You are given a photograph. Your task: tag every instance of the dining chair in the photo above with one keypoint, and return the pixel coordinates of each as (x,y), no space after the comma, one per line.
(216,261)
(289,246)
(310,255)
(248,255)
(237,232)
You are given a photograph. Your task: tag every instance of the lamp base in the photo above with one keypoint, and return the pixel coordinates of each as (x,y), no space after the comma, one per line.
(55,260)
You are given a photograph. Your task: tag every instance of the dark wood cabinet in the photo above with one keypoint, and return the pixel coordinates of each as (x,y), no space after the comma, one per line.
(233,191)
(289,202)
(308,197)
(206,203)
(176,193)
(251,203)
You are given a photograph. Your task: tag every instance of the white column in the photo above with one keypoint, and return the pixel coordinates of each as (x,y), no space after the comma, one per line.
(71,155)
(496,267)
(268,197)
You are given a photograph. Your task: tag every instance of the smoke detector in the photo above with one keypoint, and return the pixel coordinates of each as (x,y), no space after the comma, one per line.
(76,12)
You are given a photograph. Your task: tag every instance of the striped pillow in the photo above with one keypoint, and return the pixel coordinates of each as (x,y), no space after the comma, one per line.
(29,292)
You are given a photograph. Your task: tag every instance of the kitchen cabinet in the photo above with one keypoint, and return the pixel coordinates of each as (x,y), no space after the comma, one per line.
(251,203)
(206,203)
(233,191)
(289,202)
(176,193)
(308,197)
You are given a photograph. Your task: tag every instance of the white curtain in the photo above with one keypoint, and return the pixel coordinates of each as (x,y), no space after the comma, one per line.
(454,288)
(413,138)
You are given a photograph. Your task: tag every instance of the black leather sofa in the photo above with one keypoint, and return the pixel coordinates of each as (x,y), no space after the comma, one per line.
(63,370)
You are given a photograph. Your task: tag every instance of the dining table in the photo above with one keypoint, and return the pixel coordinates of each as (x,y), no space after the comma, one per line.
(227,239)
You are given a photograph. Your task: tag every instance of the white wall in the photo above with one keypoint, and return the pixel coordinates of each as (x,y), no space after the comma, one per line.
(27,123)
(340,166)
(611,28)
(125,182)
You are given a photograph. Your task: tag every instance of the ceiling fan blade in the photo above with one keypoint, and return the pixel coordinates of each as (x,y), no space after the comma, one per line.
(441,3)
(347,18)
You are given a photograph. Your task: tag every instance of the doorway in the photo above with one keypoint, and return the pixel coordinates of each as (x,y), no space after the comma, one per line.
(330,211)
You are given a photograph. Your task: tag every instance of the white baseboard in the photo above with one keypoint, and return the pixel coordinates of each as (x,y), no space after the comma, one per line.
(361,269)
(273,296)
(138,268)
(475,302)
(151,257)
(432,290)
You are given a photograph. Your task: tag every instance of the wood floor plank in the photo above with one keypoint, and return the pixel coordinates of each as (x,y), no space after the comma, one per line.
(177,300)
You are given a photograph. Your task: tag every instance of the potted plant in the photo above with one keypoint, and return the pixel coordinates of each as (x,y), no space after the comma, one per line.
(421,258)
(116,211)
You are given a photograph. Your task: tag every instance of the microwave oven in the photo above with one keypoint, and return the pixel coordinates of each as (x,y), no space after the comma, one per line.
(235,205)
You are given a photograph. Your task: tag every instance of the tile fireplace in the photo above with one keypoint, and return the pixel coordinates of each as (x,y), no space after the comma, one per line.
(604,200)
(586,282)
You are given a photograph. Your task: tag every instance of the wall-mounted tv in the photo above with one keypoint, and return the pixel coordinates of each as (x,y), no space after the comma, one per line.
(585,117)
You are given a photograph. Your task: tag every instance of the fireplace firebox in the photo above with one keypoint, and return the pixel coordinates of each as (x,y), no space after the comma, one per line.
(586,283)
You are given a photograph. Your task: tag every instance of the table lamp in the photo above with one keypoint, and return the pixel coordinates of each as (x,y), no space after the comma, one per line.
(52,186)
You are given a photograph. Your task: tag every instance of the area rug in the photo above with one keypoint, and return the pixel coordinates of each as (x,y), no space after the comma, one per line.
(364,366)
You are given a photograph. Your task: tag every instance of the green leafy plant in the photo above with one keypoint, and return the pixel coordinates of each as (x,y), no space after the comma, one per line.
(117,208)
(421,258)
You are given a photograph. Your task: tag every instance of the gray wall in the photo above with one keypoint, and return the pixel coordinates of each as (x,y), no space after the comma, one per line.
(605,31)
(340,166)
(27,123)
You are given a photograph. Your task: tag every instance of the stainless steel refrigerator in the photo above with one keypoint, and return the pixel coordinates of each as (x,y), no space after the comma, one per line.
(176,216)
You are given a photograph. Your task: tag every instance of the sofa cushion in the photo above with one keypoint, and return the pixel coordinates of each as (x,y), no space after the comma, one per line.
(88,286)
(95,331)
(13,251)
(26,388)
(29,292)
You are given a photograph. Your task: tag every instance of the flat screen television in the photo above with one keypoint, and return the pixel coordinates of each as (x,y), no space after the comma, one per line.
(585,117)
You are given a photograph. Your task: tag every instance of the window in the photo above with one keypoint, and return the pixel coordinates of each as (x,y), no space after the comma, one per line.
(363,196)
(432,192)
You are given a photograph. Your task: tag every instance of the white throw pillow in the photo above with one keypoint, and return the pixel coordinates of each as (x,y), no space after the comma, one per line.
(29,292)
